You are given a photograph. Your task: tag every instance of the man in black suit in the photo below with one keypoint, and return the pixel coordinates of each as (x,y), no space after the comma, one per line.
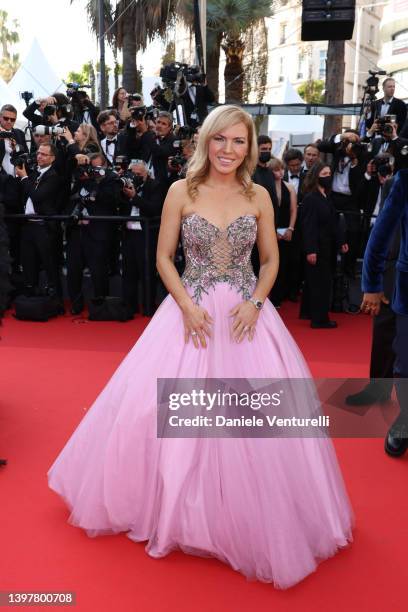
(388,105)
(39,238)
(196,99)
(89,242)
(9,185)
(348,167)
(145,198)
(112,143)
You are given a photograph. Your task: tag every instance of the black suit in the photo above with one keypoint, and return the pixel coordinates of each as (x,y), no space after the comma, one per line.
(397,107)
(203,97)
(90,243)
(116,147)
(321,235)
(39,239)
(139,247)
(10,196)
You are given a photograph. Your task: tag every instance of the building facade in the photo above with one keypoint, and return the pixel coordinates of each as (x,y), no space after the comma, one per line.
(289,56)
(394,49)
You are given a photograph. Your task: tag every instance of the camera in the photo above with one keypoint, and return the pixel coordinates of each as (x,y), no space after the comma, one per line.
(384,124)
(23,160)
(4,134)
(171,72)
(138,113)
(72,88)
(121,163)
(81,202)
(85,171)
(26,96)
(42,130)
(381,166)
(50,109)
(359,148)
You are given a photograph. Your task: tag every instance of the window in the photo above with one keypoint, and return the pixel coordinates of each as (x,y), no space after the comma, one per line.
(322,64)
(300,67)
(371,36)
(400,42)
(282,38)
(280,69)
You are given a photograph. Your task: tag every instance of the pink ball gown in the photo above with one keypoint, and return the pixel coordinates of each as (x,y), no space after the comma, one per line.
(271,508)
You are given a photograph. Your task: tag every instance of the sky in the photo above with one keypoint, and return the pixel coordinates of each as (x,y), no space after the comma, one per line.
(62,32)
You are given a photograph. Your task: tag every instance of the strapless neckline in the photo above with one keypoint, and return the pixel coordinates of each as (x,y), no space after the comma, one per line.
(220,229)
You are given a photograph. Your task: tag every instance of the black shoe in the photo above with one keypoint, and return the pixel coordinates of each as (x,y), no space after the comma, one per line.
(365,397)
(77,309)
(395,447)
(293,298)
(325,325)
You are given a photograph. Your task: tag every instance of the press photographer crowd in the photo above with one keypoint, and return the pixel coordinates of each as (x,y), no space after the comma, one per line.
(76,162)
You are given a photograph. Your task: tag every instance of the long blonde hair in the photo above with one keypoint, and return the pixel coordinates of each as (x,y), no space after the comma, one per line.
(219,119)
(91,136)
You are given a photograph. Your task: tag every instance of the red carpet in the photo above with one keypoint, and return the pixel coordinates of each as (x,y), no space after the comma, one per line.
(51,373)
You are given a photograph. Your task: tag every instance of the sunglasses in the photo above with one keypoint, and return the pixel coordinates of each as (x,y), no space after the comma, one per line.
(11,119)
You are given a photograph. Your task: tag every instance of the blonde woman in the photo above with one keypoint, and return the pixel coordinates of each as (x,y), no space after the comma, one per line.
(271,508)
(83,142)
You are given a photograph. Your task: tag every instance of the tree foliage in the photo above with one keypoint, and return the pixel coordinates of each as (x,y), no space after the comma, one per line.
(312,91)
(10,62)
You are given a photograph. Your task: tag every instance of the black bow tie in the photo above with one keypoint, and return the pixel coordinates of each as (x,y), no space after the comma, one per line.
(110,142)
(292,176)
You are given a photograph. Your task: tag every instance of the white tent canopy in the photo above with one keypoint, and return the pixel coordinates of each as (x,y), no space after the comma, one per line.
(35,75)
(282,127)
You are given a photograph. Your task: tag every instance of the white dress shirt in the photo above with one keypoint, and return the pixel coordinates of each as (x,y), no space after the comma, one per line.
(29,207)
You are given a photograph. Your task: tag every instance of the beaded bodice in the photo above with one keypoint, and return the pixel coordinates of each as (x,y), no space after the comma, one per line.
(214,255)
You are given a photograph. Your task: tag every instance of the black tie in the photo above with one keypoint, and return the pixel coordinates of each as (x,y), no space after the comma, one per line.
(110,142)
(292,176)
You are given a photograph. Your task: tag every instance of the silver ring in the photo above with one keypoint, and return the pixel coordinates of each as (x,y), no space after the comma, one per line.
(193,333)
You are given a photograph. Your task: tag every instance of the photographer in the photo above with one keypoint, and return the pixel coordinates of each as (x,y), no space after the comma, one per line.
(96,191)
(388,105)
(348,167)
(84,111)
(52,111)
(145,197)
(385,140)
(185,86)
(9,186)
(153,147)
(112,143)
(40,238)
(184,148)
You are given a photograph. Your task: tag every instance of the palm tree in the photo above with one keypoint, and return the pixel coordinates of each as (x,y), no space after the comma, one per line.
(135,23)
(228,23)
(9,63)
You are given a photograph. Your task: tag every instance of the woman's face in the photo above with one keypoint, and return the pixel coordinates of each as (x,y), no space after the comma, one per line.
(79,135)
(228,148)
(325,172)
(122,94)
(278,174)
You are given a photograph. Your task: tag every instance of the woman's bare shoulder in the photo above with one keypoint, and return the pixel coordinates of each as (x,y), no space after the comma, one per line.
(178,188)
(262,198)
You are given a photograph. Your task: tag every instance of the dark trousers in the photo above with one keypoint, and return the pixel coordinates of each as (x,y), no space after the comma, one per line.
(317,289)
(400,346)
(139,268)
(382,352)
(39,250)
(345,204)
(280,290)
(84,250)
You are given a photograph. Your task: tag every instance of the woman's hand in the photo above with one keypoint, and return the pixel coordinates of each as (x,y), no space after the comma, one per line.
(344,248)
(287,235)
(311,259)
(245,317)
(82,159)
(197,323)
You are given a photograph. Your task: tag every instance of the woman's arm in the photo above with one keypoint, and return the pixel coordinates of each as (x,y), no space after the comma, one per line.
(196,319)
(267,245)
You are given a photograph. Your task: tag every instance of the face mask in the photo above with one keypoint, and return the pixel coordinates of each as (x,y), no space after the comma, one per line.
(325,182)
(264,156)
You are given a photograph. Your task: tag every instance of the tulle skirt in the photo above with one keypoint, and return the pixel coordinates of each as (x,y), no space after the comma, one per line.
(272,508)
